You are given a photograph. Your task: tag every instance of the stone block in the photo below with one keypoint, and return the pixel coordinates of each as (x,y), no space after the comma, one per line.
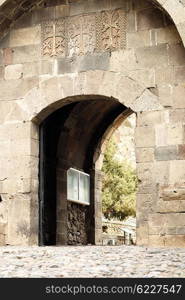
(1,72)
(16,89)
(168,206)
(11,111)
(19,211)
(164,78)
(145,77)
(34,165)
(161,135)
(177,172)
(180,230)
(150,118)
(161,172)
(181,152)
(156,240)
(144,155)
(171,230)
(24,21)
(149,57)
(25,36)
(3,228)
(178,96)
(142,4)
(47,68)
(177,116)
(23,54)
(1,57)
(144,205)
(2,240)
(117,4)
(179,74)
(145,174)
(8,56)
(177,241)
(176,9)
(67,65)
(156,220)
(122,61)
(176,54)
(156,230)
(145,137)
(13,72)
(42,15)
(13,186)
(62,11)
(149,18)
(175,134)
(131,21)
(94,62)
(138,39)
(168,35)
(166,153)
(166,95)
(142,234)
(13,167)
(128,91)
(90,6)
(32,69)
(172,192)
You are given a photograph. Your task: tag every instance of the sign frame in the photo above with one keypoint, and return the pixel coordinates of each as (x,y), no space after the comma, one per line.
(87,203)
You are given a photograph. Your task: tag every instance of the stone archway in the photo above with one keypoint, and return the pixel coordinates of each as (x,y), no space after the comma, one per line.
(137,99)
(68,140)
(33,88)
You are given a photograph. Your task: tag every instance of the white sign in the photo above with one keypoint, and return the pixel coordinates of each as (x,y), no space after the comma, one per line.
(78,186)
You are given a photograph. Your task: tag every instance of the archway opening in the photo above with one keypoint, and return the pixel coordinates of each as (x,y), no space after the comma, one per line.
(119,184)
(69,139)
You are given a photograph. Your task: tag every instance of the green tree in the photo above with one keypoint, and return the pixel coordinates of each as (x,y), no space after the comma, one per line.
(119,186)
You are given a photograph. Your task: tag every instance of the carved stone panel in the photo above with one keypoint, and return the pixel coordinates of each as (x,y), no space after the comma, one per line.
(53,38)
(81,34)
(111,30)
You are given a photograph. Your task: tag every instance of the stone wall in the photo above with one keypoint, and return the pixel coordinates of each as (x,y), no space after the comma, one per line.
(76,224)
(124,139)
(50,56)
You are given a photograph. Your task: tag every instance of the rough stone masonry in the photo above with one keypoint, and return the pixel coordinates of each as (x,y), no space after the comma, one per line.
(96,62)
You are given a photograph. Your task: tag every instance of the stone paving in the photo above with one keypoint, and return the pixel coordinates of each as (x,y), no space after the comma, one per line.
(91,261)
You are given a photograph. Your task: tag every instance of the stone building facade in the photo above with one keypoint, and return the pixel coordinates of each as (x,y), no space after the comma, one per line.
(70,72)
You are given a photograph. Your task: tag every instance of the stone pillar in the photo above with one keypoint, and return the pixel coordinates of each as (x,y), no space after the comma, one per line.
(61,214)
(160,145)
(95,210)
(19,183)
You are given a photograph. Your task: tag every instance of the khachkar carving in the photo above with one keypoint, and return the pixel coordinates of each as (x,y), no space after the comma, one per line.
(81,34)
(111,30)
(53,38)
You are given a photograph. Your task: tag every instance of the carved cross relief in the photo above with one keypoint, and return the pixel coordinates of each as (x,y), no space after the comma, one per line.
(112,31)
(79,35)
(53,38)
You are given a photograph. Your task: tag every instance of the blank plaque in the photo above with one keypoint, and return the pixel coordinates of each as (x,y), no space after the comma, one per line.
(78,186)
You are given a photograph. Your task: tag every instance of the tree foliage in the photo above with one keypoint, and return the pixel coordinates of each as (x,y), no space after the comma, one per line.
(119,186)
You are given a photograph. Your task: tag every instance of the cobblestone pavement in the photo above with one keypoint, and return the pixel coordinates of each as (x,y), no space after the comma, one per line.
(91,261)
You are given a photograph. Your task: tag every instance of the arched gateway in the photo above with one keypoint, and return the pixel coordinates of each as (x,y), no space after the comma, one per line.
(70,71)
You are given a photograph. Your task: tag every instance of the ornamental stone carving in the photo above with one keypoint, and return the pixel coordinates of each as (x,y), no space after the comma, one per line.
(79,35)
(111,33)
(53,38)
